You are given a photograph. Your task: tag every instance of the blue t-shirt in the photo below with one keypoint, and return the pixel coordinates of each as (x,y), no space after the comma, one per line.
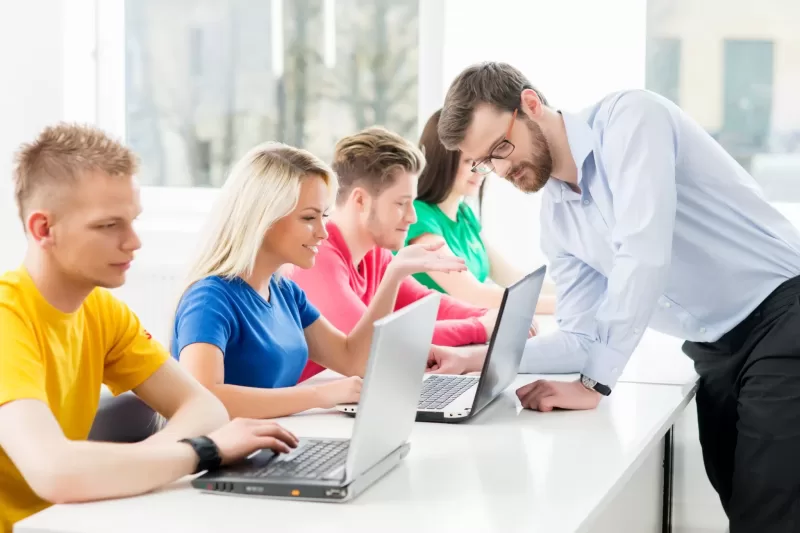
(262,342)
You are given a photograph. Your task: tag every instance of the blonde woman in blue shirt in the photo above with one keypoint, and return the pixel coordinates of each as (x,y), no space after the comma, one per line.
(246,332)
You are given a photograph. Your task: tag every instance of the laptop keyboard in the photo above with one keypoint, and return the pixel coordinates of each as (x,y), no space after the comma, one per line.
(314,460)
(439,391)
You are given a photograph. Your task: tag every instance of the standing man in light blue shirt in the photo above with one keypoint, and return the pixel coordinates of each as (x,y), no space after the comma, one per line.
(648,222)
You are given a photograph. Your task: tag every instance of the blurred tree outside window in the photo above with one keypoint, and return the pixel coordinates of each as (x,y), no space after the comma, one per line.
(206,80)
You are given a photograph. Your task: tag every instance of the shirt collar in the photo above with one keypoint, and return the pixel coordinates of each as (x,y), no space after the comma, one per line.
(581,144)
(336,240)
(46,310)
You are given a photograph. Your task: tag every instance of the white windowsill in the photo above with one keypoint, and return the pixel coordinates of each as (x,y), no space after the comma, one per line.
(173,202)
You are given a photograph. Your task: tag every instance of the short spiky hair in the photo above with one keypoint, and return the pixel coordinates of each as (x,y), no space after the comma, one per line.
(371,158)
(497,84)
(61,153)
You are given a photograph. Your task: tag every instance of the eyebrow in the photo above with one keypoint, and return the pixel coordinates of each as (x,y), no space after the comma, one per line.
(315,209)
(106,220)
(494,145)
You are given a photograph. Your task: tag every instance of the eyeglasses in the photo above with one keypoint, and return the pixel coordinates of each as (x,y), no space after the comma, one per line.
(501,151)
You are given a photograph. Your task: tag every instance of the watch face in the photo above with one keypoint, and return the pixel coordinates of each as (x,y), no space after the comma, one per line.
(588,382)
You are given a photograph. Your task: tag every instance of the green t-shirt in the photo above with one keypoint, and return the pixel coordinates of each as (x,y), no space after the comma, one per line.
(463,236)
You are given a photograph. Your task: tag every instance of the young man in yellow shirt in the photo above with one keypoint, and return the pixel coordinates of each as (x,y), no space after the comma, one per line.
(62,335)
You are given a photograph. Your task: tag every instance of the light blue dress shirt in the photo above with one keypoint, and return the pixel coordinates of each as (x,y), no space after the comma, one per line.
(668,232)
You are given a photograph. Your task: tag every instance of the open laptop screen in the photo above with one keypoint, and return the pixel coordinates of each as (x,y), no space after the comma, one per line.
(508,340)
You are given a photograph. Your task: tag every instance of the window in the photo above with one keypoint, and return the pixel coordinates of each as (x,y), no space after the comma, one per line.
(205,80)
(748,87)
(733,66)
(664,60)
(196,52)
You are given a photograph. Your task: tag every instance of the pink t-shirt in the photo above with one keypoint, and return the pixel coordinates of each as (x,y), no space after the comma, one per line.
(341,292)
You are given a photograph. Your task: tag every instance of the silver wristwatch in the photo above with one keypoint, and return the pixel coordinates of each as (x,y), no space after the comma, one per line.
(591,384)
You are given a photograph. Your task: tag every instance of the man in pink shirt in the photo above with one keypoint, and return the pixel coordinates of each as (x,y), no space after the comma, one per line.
(378,173)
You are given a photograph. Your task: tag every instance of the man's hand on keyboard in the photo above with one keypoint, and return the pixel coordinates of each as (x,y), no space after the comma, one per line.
(242,436)
(450,360)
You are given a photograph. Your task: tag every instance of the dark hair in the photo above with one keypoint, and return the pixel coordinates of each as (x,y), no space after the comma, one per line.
(497,84)
(371,158)
(439,175)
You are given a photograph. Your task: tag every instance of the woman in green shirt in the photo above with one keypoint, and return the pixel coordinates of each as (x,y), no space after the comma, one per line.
(442,213)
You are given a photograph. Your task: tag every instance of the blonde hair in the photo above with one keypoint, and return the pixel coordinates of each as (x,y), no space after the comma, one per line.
(60,154)
(372,158)
(263,187)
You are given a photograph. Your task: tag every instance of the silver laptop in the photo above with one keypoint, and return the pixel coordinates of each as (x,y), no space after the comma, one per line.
(338,470)
(448,398)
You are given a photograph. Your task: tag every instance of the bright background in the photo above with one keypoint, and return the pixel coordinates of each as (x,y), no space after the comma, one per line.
(191,84)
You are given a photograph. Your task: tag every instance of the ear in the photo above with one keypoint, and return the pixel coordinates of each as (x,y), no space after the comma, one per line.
(361,199)
(39,227)
(531,105)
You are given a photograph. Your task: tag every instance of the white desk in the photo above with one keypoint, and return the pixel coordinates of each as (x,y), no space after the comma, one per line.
(659,360)
(508,470)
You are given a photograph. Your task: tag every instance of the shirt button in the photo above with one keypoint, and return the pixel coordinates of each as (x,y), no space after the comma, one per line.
(667,305)
(614,370)
(702,330)
(586,202)
(636,331)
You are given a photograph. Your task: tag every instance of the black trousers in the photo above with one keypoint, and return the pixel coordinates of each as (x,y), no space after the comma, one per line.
(748,407)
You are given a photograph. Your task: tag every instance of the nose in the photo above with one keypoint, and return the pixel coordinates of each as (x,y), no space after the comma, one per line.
(321,232)
(132,241)
(411,215)
(501,167)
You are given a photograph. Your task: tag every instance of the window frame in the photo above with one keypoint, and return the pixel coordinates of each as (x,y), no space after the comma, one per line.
(98,94)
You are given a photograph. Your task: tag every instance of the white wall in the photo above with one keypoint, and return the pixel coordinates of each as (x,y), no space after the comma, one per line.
(702,71)
(31,95)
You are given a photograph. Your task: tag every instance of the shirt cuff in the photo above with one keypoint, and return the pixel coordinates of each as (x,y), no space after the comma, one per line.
(604,365)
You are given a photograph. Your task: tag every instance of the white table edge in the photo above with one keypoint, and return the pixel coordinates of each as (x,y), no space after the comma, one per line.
(655,439)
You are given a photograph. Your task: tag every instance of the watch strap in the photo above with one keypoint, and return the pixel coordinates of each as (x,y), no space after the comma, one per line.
(207,452)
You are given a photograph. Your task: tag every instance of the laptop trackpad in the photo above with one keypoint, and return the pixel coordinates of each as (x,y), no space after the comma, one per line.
(335,474)
(260,458)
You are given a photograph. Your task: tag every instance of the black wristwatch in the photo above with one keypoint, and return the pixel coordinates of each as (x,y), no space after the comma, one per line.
(591,384)
(207,453)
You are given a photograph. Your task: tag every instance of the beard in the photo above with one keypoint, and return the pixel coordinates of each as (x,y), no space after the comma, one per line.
(532,174)
(389,239)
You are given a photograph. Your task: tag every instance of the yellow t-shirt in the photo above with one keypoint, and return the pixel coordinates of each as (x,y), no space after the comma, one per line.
(62,359)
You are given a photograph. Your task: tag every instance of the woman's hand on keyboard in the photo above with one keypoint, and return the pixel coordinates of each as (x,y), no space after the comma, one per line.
(346,390)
